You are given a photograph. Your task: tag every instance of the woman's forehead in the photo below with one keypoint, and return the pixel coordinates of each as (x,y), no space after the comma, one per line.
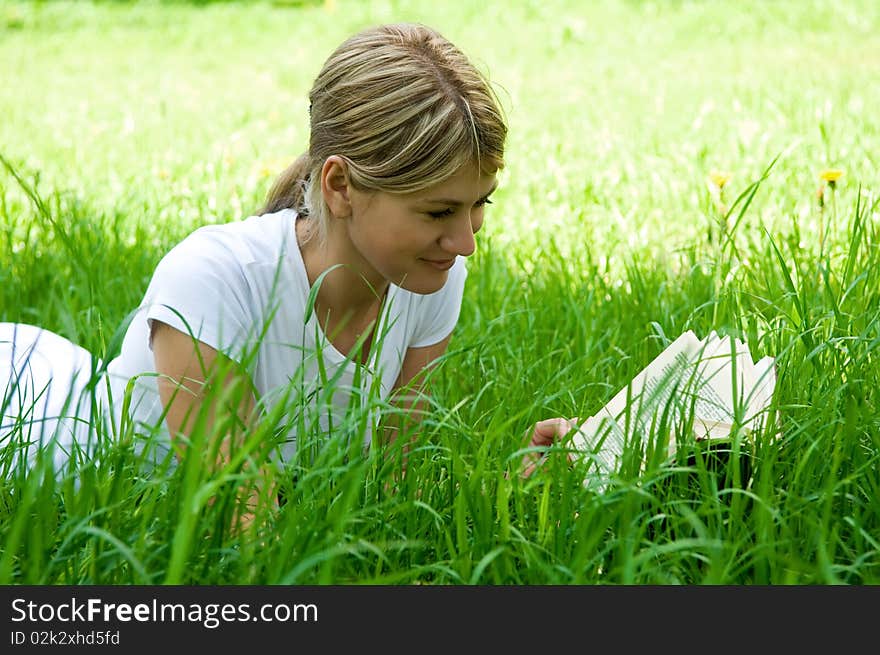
(466,181)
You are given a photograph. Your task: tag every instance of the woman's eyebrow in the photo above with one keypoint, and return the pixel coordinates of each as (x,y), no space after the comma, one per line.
(456,203)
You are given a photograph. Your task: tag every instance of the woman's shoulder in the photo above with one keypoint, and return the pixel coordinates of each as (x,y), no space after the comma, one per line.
(257,238)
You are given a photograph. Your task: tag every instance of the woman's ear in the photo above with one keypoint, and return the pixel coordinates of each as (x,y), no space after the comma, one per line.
(336,187)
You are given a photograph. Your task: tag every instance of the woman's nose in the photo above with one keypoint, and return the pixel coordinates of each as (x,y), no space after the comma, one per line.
(459,239)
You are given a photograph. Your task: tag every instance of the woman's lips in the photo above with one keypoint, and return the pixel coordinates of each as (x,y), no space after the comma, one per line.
(440,264)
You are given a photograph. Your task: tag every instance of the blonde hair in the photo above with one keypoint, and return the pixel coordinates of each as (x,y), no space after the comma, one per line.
(404,108)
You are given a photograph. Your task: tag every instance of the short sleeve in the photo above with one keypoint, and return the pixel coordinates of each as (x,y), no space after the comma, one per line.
(199,288)
(438,312)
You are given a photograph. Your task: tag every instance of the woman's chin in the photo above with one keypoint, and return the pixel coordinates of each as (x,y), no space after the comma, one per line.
(425,284)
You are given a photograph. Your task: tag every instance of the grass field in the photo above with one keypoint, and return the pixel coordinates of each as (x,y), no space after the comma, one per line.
(126,125)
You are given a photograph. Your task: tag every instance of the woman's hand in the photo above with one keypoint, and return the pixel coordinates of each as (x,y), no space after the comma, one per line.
(543,436)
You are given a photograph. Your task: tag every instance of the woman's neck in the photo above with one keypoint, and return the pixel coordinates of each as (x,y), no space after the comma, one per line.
(348,302)
(347,286)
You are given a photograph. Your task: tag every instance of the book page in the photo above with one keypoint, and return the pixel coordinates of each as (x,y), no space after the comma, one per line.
(711,429)
(673,357)
(765,374)
(603,435)
(745,367)
(708,402)
(762,394)
(700,386)
(723,371)
(600,437)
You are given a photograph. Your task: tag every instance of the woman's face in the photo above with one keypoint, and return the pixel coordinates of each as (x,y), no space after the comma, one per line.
(412,240)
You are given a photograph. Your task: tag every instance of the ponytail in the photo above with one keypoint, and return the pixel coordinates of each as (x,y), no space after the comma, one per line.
(288,191)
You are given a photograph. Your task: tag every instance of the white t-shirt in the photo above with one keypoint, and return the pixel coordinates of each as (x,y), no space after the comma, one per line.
(44,396)
(242,289)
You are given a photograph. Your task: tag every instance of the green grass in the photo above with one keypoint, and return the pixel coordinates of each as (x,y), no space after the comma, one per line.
(131,124)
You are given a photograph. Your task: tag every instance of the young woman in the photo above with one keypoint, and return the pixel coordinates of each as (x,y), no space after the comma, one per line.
(377,218)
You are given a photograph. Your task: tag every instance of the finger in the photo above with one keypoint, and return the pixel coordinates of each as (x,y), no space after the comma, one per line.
(545,431)
(543,435)
(548,430)
(529,463)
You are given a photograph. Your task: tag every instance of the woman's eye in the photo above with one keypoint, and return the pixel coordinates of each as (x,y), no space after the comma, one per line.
(449,211)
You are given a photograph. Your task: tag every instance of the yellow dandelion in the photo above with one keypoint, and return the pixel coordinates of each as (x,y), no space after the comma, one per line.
(831,175)
(719,179)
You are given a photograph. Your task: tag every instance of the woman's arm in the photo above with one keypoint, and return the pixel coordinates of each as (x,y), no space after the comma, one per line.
(191,373)
(410,394)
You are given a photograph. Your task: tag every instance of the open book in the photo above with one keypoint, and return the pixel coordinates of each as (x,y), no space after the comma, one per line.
(703,386)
